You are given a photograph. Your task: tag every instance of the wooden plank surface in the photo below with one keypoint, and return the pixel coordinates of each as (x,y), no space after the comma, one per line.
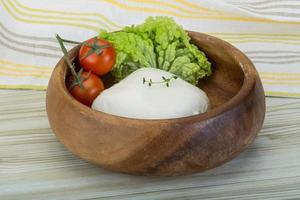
(33,165)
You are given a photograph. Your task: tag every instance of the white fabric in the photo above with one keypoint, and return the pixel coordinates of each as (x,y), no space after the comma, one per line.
(267,31)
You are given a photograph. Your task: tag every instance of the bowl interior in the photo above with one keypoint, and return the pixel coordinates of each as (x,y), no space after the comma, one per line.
(227,75)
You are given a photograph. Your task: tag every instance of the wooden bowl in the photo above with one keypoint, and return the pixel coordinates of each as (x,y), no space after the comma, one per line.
(171,146)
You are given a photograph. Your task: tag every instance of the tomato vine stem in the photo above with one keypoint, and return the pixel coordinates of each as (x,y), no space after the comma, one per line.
(78,78)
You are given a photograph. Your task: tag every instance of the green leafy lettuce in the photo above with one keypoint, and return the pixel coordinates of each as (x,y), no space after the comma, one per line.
(158,43)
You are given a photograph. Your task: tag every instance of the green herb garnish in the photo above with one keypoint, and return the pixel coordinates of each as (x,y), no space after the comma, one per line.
(165,81)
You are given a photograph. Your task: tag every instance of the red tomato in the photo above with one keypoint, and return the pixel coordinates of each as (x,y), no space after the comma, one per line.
(98,64)
(92,87)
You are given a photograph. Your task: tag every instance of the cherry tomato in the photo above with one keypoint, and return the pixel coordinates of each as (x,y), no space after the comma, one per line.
(98,64)
(92,86)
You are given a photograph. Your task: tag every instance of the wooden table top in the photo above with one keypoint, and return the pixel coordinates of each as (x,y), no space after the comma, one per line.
(34,165)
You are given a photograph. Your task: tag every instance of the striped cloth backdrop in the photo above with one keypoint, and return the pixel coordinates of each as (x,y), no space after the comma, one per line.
(268,31)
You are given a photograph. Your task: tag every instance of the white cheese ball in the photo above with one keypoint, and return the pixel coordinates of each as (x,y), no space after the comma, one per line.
(133,99)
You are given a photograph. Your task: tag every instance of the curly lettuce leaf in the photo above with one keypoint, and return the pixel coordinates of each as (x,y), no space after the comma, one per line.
(159,43)
(133,53)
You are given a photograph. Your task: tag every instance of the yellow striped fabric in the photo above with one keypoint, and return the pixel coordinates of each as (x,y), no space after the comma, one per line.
(267,31)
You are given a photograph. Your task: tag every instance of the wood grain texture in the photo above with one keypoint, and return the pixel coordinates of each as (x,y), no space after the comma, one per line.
(34,165)
(166,147)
